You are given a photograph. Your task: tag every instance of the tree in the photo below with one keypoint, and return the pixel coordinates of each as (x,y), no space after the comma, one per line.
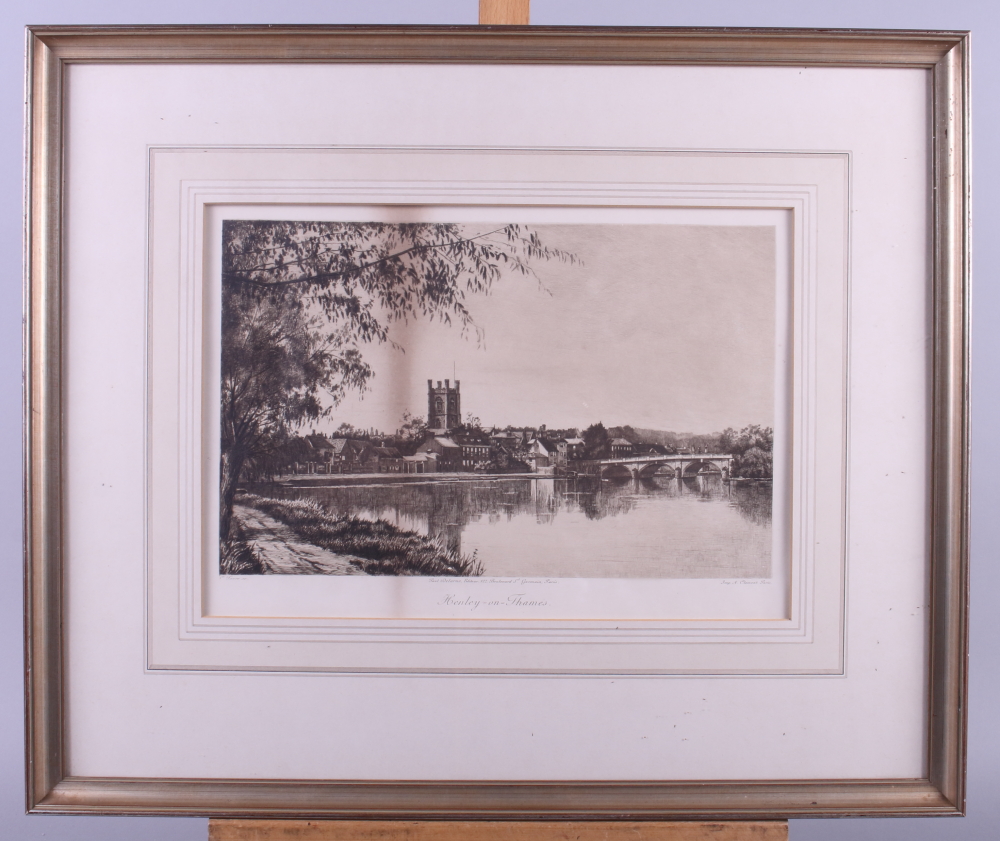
(752,449)
(411,433)
(755,463)
(276,360)
(348,430)
(709,443)
(596,441)
(368,274)
(300,299)
(295,450)
(412,427)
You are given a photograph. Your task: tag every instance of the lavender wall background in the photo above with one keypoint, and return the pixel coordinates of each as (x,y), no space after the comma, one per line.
(980,16)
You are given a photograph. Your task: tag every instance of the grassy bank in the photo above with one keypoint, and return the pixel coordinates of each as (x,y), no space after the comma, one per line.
(383,549)
(238,555)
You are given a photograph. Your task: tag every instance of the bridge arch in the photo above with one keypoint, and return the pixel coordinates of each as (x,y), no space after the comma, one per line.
(647,471)
(700,466)
(615,471)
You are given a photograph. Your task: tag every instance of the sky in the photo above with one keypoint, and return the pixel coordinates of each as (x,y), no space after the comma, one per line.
(661,326)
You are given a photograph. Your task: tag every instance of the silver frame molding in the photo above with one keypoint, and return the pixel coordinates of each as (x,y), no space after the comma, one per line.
(50,790)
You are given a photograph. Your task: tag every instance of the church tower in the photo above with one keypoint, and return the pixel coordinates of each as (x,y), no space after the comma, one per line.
(444,405)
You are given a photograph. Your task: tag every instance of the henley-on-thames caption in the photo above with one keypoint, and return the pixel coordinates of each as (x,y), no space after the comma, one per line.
(582,349)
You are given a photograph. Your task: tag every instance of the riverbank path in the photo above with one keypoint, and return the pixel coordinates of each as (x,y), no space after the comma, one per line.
(284,553)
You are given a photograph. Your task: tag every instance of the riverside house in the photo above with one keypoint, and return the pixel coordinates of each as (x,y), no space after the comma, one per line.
(568,449)
(448,453)
(620,448)
(349,455)
(420,463)
(476,449)
(538,455)
(339,455)
(384,460)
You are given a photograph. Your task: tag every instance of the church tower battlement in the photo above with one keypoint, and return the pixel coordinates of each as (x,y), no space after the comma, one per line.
(444,405)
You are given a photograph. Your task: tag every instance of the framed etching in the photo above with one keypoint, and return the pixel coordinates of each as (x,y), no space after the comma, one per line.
(516,423)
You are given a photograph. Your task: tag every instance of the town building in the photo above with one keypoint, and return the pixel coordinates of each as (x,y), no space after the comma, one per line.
(323,455)
(651,449)
(348,455)
(476,449)
(447,452)
(506,439)
(569,449)
(620,448)
(538,455)
(420,463)
(384,460)
(319,455)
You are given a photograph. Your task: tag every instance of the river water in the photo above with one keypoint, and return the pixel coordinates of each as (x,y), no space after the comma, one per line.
(699,527)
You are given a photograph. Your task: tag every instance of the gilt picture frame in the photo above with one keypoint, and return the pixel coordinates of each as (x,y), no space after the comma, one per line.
(177,636)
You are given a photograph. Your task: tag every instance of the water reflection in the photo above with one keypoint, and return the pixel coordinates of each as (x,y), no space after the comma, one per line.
(659,527)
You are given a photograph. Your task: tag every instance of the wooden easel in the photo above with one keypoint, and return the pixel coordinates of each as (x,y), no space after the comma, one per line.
(238,830)
(497,13)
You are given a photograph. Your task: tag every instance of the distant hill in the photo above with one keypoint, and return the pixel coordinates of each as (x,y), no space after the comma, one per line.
(638,435)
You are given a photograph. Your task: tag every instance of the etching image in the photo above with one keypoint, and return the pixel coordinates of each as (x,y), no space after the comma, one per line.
(570,401)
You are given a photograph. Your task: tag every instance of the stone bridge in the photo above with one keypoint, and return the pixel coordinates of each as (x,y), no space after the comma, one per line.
(690,464)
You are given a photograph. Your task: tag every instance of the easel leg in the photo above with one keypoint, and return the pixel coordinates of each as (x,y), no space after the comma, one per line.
(504,12)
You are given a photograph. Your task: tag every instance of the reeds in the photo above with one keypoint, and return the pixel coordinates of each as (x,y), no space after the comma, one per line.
(237,555)
(378,547)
